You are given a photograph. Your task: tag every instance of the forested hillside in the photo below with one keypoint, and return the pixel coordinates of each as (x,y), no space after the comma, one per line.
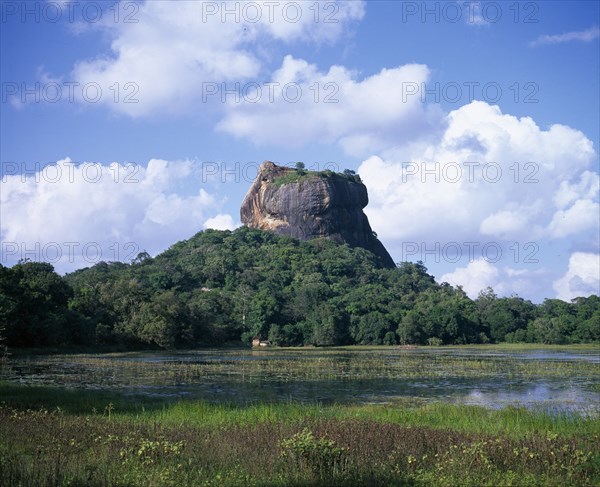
(226,287)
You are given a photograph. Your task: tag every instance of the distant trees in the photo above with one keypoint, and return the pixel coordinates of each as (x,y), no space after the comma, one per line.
(300,168)
(34,307)
(445,314)
(557,322)
(587,319)
(504,316)
(222,286)
(351,175)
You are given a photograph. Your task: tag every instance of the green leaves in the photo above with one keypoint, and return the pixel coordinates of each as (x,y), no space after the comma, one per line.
(321,456)
(223,286)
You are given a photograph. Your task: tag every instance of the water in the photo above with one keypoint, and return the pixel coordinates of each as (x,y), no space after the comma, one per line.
(563,380)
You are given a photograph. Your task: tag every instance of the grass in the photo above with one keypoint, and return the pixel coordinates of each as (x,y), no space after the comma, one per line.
(294,176)
(510,421)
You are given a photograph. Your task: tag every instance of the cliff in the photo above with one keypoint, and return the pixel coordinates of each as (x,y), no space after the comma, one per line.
(307,205)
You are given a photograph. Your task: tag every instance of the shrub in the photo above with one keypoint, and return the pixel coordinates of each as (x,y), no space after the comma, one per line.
(319,455)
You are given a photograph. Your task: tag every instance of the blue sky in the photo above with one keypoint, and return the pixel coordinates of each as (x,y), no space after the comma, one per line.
(475,126)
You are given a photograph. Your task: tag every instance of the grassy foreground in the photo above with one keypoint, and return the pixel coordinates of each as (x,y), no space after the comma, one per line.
(51,436)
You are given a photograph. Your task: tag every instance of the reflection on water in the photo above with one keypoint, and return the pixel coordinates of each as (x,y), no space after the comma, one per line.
(552,396)
(335,375)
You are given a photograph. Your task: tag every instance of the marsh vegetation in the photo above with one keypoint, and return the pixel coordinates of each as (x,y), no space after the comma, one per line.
(243,417)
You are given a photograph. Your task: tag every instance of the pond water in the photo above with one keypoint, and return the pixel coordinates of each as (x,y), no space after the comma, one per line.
(565,379)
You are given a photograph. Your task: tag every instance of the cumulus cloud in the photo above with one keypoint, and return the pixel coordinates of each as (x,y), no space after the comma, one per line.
(477,275)
(481,273)
(488,180)
(582,277)
(587,187)
(584,214)
(304,105)
(587,35)
(505,223)
(75,215)
(489,176)
(160,58)
(220,222)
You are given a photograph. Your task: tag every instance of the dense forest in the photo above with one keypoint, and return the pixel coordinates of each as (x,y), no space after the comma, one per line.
(226,287)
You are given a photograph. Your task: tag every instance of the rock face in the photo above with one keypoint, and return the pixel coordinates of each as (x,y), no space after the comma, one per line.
(311,205)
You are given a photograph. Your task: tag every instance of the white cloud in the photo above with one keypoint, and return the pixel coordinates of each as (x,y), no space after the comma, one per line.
(477,275)
(481,273)
(158,64)
(582,36)
(584,214)
(582,277)
(307,106)
(65,208)
(587,187)
(488,176)
(505,223)
(220,222)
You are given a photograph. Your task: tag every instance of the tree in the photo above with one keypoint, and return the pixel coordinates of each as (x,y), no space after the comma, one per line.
(409,329)
(413,278)
(164,320)
(329,325)
(262,312)
(587,319)
(504,315)
(141,257)
(34,305)
(371,328)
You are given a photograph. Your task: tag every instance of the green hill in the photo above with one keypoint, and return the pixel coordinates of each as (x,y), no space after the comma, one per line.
(226,287)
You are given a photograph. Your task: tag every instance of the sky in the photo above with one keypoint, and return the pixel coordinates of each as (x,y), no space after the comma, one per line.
(128,126)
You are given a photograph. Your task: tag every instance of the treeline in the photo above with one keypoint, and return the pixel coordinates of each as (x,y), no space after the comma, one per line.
(221,287)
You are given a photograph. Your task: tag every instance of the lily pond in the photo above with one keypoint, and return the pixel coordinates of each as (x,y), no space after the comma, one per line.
(562,379)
